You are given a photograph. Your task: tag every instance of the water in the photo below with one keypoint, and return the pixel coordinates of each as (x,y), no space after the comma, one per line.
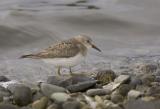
(121,28)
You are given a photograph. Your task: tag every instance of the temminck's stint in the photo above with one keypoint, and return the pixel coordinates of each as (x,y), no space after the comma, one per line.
(67,53)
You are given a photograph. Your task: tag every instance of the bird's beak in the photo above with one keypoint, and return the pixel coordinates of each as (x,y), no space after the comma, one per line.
(93,46)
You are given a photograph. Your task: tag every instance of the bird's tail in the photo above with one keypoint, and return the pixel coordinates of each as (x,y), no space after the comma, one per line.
(28,56)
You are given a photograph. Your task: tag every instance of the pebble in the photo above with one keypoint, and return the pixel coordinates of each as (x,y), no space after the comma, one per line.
(8,106)
(3,79)
(54,80)
(135,81)
(122,79)
(124,89)
(94,92)
(54,106)
(71,105)
(4,92)
(82,86)
(60,97)
(48,89)
(147,79)
(40,104)
(22,95)
(133,94)
(111,86)
(116,97)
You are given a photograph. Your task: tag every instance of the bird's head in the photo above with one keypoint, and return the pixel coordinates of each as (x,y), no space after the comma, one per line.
(86,41)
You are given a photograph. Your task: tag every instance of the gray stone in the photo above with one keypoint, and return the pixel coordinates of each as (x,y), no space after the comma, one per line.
(94,92)
(153,91)
(116,97)
(74,80)
(60,97)
(54,80)
(135,81)
(8,106)
(124,89)
(4,92)
(22,95)
(71,105)
(37,96)
(40,104)
(3,79)
(111,86)
(54,106)
(122,79)
(48,89)
(147,79)
(133,94)
(111,105)
(82,86)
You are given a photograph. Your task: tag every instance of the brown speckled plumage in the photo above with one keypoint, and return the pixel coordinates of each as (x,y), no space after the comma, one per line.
(65,49)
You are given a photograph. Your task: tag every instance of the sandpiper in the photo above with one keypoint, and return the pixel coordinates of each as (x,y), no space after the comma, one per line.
(67,53)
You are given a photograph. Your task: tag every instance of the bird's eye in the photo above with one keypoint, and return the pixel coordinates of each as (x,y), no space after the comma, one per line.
(88,41)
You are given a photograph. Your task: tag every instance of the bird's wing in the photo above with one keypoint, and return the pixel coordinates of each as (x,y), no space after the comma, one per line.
(63,49)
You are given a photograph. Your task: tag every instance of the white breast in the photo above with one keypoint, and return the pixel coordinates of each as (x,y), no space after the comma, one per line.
(65,62)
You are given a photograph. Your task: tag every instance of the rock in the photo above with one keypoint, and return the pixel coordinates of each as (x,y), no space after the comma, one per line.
(148,98)
(105,76)
(40,104)
(133,94)
(22,95)
(48,89)
(135,81)
(140,104)
(147,68)
(8,106)
(148,79)
(94,92)
(122,79)
(157,79)
(75,80)
(124,89)
(12,87)
(54,80)
(26,108)
(111,86)
(82,86)
(71,105)
(60,97)
(153,91)
(3,79)
(111,105)
(37,96)
(4,92)
(116,97)
(54,106)
(142,88)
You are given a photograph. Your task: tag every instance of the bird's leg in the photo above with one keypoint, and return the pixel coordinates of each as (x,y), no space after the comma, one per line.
(70,70)
(58,71)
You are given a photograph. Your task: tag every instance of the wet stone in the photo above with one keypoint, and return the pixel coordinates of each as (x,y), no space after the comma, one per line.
(124,89)
(82,86)
(22,95)
(48,89)
(54,80)
(135,81)
(116,97)
(148,79)
(71,105)
(40,104)
(122,79)
(94,92)
(60,97)
(133,94)
(8,106)
(3,79)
